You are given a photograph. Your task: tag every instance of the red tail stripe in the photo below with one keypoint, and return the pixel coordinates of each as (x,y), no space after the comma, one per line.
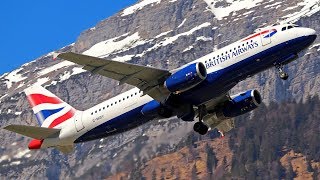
(257,34)
(63,118)
(35,99)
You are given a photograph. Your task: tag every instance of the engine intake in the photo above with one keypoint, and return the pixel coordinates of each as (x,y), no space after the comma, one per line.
(186,78)
(240,104)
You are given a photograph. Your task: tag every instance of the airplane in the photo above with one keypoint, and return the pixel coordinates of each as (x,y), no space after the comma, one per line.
(197,91)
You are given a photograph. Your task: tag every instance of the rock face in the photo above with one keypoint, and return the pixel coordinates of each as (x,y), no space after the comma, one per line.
(161,33)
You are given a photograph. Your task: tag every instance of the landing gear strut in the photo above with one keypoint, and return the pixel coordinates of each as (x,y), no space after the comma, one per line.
(200,127)
(283,75)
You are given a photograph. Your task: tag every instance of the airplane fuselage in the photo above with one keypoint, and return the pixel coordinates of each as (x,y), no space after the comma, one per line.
(225,68)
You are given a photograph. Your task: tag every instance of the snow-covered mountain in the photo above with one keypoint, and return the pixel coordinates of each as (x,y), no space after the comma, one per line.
(159,33)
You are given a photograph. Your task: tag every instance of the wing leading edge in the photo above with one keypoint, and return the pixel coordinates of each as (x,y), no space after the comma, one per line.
(150,80)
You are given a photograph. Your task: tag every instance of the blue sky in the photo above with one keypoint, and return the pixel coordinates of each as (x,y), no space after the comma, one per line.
(30,29)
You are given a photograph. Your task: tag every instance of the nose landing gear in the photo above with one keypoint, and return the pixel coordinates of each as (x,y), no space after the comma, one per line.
(282,74)
(199,126)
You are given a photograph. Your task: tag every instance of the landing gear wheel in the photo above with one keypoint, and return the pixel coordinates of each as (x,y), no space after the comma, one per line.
(200,128)
(283,75)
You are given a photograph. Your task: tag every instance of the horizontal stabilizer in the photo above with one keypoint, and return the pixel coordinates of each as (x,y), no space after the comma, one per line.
(33,132)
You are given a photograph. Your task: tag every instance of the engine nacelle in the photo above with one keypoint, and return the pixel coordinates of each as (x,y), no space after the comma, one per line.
(186,78)
(240,104)
(154,108)
(151,108)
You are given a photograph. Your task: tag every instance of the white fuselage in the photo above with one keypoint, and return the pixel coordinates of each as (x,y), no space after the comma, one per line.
(84,121)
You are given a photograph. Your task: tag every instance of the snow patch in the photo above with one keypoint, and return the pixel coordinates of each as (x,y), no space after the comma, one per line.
(14,143)
(247,13)
(3,158)
(15,163)
(123,58)
(13,77)
(188,49)
(274,4)
(310,7)
(202,38)
(138,6)
(41,81)
(55,67)
(290,8)
(104,48)
(21,153)
(170,40)
(66,75)
(17,113)
(182,23)
(162,34)
(232,6)
(315,45)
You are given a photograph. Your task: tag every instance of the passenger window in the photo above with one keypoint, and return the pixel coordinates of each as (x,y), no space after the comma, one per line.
(123,98)
(111,104)
(96,111)
(127,97)
(115,102)
(290,27)
(99,109)
(135,93)
(284,28)
(92,113)
(119,100)
(104,108)
(107,106)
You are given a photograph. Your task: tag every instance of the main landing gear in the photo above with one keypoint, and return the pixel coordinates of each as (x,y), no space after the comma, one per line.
(282,74)
(199,126)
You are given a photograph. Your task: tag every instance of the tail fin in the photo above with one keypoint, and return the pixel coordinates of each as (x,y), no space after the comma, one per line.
(49,110)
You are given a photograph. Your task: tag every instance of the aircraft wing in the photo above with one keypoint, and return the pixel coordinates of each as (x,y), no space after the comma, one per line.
(150,80)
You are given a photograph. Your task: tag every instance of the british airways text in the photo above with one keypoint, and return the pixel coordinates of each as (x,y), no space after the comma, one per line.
(224,57)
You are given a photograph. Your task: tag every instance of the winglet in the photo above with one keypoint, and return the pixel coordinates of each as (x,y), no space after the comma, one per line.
(55,55)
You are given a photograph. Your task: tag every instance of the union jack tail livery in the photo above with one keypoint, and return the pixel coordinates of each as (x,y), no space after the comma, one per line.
(49,110)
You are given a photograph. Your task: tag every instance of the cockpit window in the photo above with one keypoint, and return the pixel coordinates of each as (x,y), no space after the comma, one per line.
(284,28)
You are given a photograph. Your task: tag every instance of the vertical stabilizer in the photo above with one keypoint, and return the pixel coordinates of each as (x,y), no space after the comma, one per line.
(49,110)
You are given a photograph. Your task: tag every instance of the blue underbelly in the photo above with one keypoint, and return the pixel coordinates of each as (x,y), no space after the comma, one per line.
(124,122)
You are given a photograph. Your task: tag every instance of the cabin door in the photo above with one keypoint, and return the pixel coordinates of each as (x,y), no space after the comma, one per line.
(265,37)
(78,121)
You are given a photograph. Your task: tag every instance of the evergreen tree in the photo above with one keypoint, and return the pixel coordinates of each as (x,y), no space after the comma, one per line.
(315,174)
(154,175)
(194,172)
(290,173)
(212,160)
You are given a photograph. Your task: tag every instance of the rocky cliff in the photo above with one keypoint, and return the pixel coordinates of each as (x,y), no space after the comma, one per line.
(161,33)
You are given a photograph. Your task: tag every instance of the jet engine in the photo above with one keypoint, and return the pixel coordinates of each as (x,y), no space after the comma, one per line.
(240,104)
(186,78)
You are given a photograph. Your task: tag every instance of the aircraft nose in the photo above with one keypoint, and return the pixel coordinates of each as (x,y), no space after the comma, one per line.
(311,32)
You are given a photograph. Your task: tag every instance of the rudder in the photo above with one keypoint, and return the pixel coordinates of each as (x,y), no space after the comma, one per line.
(49,110)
